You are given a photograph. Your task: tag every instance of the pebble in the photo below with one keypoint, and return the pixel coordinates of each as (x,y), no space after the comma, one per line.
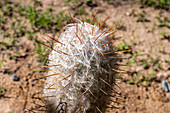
(165,86)
(15,77)
(160,75)
(127,13)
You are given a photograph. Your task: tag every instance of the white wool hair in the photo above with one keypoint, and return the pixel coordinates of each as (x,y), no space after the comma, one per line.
(78,62)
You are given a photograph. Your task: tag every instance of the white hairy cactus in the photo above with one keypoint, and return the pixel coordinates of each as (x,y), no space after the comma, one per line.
(82,67)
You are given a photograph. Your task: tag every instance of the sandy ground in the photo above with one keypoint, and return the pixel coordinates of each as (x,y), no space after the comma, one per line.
(23,95)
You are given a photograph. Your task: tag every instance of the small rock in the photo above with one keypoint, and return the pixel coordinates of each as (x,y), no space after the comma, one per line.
(165,86)
(15,77)
(160,75)
(127,13)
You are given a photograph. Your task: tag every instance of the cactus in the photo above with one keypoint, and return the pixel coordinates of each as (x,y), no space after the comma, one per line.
(82,69)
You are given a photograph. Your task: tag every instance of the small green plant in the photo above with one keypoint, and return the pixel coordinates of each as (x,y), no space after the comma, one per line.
(1,63)
(163,4)
(147,82)
(6,34)
(11,112)
(156,65)
(12,57)
(164,34)
(142,79)
(133,56)
(152,76)
(89,0)
(131,62)
(166,60)
(68,1)
(163,22)
(4,43)
(2,90)
(142,17)
(73,3)
(40,49)
(123,46)
(145,65)
(131,82)
(14,41)
(39,70)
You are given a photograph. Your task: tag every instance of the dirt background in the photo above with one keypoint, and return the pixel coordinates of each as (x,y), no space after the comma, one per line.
(144,36)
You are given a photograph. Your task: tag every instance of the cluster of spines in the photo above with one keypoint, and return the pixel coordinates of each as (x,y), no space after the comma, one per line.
(61,52)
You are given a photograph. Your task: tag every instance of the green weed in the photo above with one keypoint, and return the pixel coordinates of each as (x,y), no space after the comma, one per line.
(14,41)
(1,63)
(142,17)
(40,70)
(123,46)
(142,79)
(145,64)
(11,112)
(2,90)
(6,34)
(162,4)
(130,82)
(41,49)
(164,34)
(163,22)
(156,65)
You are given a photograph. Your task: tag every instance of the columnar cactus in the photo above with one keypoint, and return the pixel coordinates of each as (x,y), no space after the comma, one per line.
(82,68)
